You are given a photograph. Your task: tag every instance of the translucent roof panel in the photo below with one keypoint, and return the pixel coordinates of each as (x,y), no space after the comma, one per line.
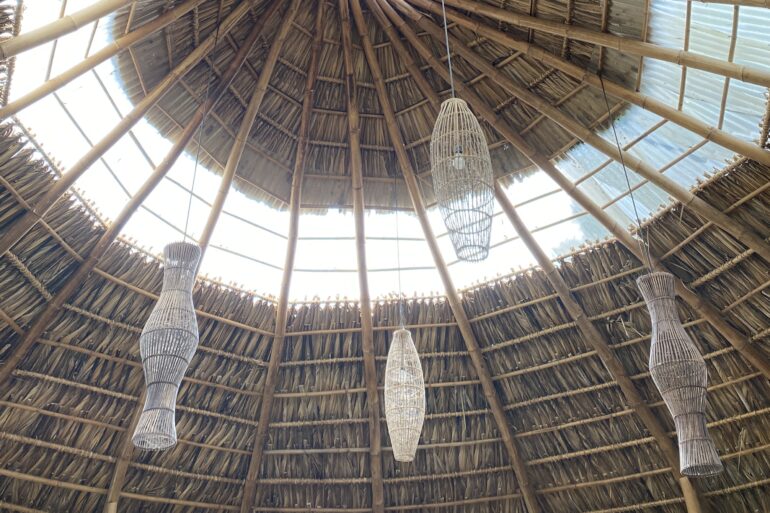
(248,245)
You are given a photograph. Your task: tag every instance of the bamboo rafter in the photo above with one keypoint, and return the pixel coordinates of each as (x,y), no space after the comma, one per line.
(294,206)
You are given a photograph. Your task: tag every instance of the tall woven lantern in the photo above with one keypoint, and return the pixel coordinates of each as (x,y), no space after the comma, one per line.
(680,374)
(462,179)
(168,343)
(404,396)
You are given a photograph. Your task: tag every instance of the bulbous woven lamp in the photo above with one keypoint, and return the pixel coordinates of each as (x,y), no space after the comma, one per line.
(680,374)
(462,179)
(168,343)
(404,396)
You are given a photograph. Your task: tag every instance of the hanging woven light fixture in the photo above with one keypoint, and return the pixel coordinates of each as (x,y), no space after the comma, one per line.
(168,343)
(680,374)
(404,396)
(462,174)
(462,179)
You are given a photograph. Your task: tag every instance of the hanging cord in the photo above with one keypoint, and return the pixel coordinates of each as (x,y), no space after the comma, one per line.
(202,125)
(448,53)
(643,235)
(401,314)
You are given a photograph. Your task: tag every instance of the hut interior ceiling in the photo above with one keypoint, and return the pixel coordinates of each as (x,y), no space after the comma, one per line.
(282,407)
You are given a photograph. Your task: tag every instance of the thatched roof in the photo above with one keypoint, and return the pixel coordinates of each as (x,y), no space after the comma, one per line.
(266,166)
(64,414)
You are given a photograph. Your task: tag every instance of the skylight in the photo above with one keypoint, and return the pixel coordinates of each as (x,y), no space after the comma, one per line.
(249,242)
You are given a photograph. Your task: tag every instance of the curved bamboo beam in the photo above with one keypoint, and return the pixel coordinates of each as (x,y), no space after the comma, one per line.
(602,348)
(705,309)
(621,44)
(250,485)
(365,304)
(735,228)
(691,123)
(97,58)
(58,28)
(247,122)
(22,225)
(480,365)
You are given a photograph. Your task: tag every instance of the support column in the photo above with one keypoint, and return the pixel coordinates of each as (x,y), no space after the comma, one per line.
(367,333)
(126,449)
(479,363)
(276,350)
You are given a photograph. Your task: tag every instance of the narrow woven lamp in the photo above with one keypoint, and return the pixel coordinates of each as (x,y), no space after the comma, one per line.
(680,374)
(404,396)
(462,179)
(168,343)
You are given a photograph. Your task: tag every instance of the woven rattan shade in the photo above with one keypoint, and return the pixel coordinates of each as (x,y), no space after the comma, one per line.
(463,179)
(404,396)
(680,374)
(168,343)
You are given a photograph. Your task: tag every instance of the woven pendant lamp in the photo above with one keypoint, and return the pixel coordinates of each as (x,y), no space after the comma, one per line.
(404,396)
(168,343)
(463,179)
(680,374)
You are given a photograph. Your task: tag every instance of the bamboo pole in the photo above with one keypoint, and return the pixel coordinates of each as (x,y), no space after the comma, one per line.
(631,46)
(738,230)
(490,393)
(705,309)
(76,279)
(126,447)
(58,28)
(741,3)
(97,58)
(247,122)
(22,225)
(276,351)
(602,348)
(691,123)
(365,304)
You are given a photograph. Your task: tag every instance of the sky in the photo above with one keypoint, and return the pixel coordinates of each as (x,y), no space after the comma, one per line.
(249,243)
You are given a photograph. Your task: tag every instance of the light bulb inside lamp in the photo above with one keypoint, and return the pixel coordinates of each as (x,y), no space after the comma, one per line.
(458,161)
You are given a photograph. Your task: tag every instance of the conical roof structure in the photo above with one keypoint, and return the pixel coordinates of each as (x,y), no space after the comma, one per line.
(297,116)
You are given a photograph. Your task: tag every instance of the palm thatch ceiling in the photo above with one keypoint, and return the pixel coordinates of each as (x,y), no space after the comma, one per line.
(266,166)
(538,394)
(65,413)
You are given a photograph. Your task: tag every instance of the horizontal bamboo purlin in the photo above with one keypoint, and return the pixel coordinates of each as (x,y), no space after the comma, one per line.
(69,401)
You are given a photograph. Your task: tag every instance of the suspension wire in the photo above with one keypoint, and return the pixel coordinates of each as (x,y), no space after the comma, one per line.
(643,235)
(401,313)
(448,53)
(202,125)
